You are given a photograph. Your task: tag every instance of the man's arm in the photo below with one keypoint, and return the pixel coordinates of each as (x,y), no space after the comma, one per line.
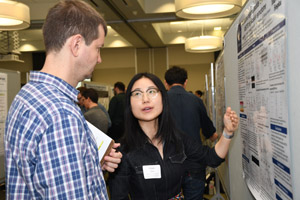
(65,152)
(106,114)
(208,129)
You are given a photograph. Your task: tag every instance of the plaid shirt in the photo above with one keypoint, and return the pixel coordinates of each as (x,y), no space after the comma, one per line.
(50,153)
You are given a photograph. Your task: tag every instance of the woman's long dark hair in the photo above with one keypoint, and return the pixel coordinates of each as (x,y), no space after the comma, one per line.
(134,137)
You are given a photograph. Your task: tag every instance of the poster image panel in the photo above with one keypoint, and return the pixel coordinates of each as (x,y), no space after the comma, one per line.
(262,76)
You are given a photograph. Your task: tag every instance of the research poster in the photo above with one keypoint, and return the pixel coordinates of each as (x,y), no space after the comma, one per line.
(210,93)
(262,75)
(220,93)
(3,109)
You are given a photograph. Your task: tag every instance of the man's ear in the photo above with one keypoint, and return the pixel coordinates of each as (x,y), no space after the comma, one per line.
(88,100)
(75,44)
(167,85)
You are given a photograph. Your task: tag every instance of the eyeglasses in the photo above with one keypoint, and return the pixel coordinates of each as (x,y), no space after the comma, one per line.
(151,93)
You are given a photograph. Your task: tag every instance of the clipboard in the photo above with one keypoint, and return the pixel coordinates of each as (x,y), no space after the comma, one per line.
(103,141)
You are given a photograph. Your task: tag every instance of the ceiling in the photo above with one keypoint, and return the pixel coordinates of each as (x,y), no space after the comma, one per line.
(134,23)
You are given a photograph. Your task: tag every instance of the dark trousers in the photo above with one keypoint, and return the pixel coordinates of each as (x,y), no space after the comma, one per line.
(193,188)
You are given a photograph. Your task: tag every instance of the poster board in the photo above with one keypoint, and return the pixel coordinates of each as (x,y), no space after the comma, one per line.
(257,70)
(262,70)
(10,84)
(220,93)
(220,106)
(210,94)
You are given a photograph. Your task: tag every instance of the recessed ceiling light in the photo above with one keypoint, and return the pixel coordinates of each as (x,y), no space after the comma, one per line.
(176,23)
(204,9)
(13,15)
(203,44)
(208,9)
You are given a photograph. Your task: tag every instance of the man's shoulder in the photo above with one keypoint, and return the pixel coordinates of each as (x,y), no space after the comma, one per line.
(178,90)
(101,106)
(48,99)
(93,110)
(119,97)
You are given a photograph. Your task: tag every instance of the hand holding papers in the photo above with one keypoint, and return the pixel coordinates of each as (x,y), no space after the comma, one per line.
(104,142)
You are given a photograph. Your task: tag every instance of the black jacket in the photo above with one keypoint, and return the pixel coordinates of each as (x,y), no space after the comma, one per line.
(190,113)
(129,176)
(116,113)
(190,116)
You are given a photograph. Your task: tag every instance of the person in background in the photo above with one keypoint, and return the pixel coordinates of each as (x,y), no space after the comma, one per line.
(154,150)
(199,93)
(81,99)
(116,112)
(94,114)
(190,116)
(83,109)
(49,149)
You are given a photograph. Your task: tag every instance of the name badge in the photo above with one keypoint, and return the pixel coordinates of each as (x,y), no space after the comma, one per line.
(151,171)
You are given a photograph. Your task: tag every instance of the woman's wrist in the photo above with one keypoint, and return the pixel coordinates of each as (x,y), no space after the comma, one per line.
(228,134)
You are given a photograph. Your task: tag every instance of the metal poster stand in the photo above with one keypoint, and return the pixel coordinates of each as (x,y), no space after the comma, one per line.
(212,110)
(218,195)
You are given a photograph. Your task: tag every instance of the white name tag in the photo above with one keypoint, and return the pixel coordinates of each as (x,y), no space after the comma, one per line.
(151,171)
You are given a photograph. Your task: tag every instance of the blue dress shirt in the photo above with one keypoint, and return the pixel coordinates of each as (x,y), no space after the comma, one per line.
(50,152)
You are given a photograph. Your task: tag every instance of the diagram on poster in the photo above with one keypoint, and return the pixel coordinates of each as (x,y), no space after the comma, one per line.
(261,44)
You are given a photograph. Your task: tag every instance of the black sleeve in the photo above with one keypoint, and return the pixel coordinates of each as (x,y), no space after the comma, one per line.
(208,128)
(119,181)
(198,153)
(112,107)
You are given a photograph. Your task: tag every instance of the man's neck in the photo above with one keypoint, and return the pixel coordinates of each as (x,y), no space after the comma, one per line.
(92,105)
(176,84)
(119,92)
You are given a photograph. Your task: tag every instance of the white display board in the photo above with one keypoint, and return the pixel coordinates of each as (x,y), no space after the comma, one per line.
(10,84)
(220,93)
(262,78)
(263,22)
(3,109)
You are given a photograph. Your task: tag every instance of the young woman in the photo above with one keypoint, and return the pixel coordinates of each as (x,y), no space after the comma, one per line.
(154,151)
